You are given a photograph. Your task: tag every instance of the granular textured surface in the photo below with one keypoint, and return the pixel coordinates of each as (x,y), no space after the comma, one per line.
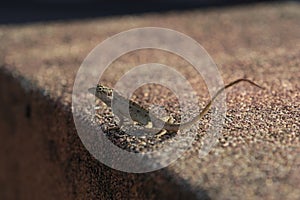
(256,157)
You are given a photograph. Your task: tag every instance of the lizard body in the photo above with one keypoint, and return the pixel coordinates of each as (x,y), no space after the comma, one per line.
(141,115)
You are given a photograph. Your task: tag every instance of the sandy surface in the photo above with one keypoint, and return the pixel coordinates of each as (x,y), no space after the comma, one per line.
(257,155)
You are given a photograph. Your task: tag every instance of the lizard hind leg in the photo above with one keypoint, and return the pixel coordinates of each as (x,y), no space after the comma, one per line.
(161,133)
(166,119)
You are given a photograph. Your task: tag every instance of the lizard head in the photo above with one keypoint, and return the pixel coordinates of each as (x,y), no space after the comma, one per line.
(102,92)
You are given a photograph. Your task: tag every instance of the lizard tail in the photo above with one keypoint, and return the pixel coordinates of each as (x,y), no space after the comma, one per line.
(207,107)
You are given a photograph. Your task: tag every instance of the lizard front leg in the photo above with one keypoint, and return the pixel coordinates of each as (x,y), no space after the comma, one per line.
(121,122)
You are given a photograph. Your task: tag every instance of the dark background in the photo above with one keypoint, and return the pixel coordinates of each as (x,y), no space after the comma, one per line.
(26,11)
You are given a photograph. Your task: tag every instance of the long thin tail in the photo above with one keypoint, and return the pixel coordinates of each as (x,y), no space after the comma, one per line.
(207,107)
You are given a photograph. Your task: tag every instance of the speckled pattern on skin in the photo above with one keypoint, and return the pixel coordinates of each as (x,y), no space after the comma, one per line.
(257,156)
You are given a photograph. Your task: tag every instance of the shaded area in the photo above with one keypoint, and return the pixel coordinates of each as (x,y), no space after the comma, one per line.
(47,149)
(38,11)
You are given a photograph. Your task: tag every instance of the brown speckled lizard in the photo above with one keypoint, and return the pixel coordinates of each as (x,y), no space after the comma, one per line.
(142,116)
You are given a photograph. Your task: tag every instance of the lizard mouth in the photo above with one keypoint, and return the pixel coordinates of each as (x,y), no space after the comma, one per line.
(92,90)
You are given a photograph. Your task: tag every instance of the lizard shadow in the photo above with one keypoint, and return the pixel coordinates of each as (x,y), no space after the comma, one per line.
(135,139)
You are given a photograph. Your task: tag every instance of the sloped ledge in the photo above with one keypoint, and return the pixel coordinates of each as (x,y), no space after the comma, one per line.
(43,158)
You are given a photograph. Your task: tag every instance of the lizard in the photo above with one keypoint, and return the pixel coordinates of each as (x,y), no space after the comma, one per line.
(142,115)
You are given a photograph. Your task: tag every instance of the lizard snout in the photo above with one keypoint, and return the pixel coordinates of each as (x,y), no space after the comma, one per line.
(92,90)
